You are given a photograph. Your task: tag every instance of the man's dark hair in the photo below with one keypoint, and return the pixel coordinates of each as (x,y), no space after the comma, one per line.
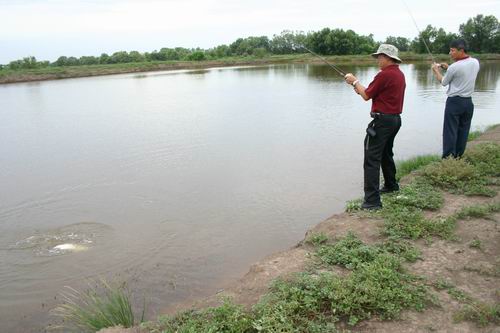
(459,44)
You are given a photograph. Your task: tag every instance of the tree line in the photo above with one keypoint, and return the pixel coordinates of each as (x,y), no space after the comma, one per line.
(481,32)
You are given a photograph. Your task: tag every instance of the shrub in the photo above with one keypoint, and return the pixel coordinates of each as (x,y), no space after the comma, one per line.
(485,157)
(458,176)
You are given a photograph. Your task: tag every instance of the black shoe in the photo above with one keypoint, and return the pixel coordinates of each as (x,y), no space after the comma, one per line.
(389,189)
(369,206)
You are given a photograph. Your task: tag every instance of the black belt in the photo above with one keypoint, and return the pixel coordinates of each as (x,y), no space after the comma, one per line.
(382,115)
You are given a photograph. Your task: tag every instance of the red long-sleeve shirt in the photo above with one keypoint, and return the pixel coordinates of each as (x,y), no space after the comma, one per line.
(387,90)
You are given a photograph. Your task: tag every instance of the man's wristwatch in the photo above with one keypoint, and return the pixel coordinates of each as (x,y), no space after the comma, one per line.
(354,83)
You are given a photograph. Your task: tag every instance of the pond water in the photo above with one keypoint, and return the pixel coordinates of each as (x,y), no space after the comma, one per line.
(175,182)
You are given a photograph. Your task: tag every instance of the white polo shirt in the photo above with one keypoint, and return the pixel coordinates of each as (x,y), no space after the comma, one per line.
(461,77)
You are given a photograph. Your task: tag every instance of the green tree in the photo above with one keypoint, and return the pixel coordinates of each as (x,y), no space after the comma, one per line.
(88,60)
(482,33)
(27,63)
(402,43)
(260,52)
(316,41)
(170,54)
(340,42)
(196,56)
(72,61)
(61,61)
(119,57)
(287,42)
(104,59)
(222,51)
(245,46)
(428,34)
(441,43)
(135,56)
(182,53)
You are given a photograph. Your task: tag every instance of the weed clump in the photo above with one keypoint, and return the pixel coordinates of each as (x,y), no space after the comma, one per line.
(478,211)
(317,239)
(468,175)
(485,158)
(473,310)
(480,313)
(102,306)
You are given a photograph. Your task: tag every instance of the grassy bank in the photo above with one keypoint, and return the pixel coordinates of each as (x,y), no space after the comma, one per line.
(417,257)
(54,72)
(349,281)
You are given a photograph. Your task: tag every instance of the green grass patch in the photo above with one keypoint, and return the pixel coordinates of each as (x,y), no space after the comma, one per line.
(406,167)
(478,211)
(350,252)
(379,287)
(477,133)
(480,313)
(354,205)
(417,194)
(485,157)
(101,306)
(442,284)
(408,223)
(401,248)
(473,135)
(227,318)
(457,176)
(317,239)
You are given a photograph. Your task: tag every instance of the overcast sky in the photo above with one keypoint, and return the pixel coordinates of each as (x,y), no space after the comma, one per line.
(47,29)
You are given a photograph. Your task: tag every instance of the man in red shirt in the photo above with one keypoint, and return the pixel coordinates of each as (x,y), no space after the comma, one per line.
(387,94)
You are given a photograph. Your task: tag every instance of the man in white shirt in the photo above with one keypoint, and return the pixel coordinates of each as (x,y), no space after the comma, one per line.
(460,78)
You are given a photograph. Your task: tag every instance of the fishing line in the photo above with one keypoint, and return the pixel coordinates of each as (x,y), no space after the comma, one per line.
(419,32)
(337,69)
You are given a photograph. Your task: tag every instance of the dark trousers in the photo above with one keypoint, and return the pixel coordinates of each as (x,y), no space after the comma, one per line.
(378,153)
(457,119)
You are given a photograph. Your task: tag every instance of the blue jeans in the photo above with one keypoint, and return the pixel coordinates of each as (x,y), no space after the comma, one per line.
(457,119)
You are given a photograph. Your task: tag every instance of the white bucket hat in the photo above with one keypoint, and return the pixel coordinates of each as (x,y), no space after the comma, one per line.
(389,50)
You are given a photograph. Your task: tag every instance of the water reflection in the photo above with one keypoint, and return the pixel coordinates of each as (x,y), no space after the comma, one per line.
(487,80)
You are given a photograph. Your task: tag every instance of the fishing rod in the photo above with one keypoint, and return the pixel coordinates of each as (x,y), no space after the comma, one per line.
(337,69)
(419,32)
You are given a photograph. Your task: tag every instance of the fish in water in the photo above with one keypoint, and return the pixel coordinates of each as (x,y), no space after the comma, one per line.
(69,247)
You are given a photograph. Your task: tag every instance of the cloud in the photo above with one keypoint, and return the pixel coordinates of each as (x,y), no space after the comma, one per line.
(149,24)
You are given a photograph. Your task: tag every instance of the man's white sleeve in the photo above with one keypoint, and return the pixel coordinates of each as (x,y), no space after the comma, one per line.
(448,76)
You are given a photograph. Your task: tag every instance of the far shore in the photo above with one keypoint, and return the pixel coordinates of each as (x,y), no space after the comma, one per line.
(55,73)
